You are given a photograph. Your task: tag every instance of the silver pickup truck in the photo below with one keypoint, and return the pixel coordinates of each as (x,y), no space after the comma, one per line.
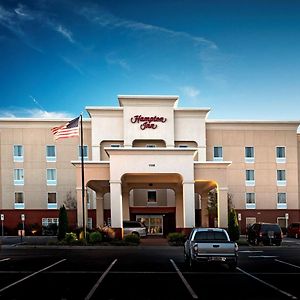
(210,245)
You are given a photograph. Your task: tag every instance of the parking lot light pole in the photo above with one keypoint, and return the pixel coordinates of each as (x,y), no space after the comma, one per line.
(2,227)
(23,226)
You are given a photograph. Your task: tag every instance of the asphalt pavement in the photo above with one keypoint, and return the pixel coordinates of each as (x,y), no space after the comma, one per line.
(146,272)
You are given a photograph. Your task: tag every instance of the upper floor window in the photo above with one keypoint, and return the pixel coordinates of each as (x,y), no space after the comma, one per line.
(151,196)
(280,154)
(18,176)
(218,153)
(51,177)
(281,179)
(250,180)
(18,153)
(250,201)
(183,146)
(115,145)
(281,201)
(19,200)
(150,146)
(249,154)
(50,153)
(52,204)
(85,152)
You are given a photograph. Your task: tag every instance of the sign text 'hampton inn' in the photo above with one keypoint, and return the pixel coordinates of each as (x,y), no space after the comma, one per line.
(147,122)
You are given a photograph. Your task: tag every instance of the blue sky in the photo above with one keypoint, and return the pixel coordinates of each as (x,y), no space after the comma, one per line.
(240,58)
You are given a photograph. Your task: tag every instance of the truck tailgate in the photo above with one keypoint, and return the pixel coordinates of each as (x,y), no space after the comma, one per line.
(216,248)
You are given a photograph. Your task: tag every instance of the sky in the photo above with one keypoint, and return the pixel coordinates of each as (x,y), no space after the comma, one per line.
(239,58)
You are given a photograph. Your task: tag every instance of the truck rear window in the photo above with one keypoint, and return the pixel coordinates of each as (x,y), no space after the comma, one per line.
(210,236)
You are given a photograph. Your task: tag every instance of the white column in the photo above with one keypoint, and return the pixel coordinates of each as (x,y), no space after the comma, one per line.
(222,207)
(99,209)
(179,208)
(116,204)
(79,208)
(188,197)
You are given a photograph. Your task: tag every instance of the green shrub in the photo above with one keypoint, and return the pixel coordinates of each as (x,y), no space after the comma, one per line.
(70,237)
(95,237)
(62,223)
(132,239)
(233,225)
(176,238)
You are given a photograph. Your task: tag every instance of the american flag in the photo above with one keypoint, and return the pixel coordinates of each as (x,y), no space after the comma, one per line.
(67,130)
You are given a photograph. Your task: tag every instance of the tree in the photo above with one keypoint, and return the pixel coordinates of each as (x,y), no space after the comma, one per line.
(233,225)
(70,201)
(62,223)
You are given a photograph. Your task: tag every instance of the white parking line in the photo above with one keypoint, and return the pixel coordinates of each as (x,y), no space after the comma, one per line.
(92,291)
(35,273)
(286,263)
(4,259)
(184,280)
(268,284)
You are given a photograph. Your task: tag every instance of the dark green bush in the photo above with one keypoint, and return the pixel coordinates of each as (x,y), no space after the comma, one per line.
(95,237)
(233,225)
(176,238)
(62,223)
(132,239)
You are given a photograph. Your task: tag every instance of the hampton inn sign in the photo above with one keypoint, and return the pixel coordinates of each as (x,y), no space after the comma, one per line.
(147,122)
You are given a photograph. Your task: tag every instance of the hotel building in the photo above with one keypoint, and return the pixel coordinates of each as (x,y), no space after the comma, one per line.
(150,160)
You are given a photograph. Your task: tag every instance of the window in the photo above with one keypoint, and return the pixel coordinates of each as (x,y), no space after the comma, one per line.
(218,153)
(85,152)
(19,200)
(50,153)
(151,196)
(281,201)
(115,145)
(18,153)
(51,176)
(281,181)
(18,176)
(49,221)
(250,181)
(280,155)
(150,146)
(249,154)
(183,146)
(250,201)
(89,223)
(52,204)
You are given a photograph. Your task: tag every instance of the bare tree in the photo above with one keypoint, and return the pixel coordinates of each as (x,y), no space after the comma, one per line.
(70,201)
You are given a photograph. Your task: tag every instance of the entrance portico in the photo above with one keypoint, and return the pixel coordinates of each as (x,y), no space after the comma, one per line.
(161,169)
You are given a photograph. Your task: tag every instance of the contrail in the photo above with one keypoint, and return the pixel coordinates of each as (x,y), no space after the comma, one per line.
(37,103)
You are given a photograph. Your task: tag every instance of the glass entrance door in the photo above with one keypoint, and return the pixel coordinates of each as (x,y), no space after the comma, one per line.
(154,223)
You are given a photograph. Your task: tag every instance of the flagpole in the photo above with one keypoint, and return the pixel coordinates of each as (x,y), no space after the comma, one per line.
(82,177)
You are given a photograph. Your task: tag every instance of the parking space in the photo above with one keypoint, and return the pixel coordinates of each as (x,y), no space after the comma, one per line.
(146,273)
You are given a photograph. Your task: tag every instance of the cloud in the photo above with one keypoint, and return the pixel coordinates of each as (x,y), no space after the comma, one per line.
(15,20)
(102,17)
(65,33)
(161,77)
(72,65)
(113,59)
(33,113)
(189,91)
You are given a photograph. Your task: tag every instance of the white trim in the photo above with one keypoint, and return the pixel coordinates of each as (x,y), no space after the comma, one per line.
(250,182)
(281,182)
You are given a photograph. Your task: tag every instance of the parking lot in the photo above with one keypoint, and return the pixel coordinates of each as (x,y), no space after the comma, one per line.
(146,272)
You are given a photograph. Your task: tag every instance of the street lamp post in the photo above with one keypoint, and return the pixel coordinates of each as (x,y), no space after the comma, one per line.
(2,227)
(23,226)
